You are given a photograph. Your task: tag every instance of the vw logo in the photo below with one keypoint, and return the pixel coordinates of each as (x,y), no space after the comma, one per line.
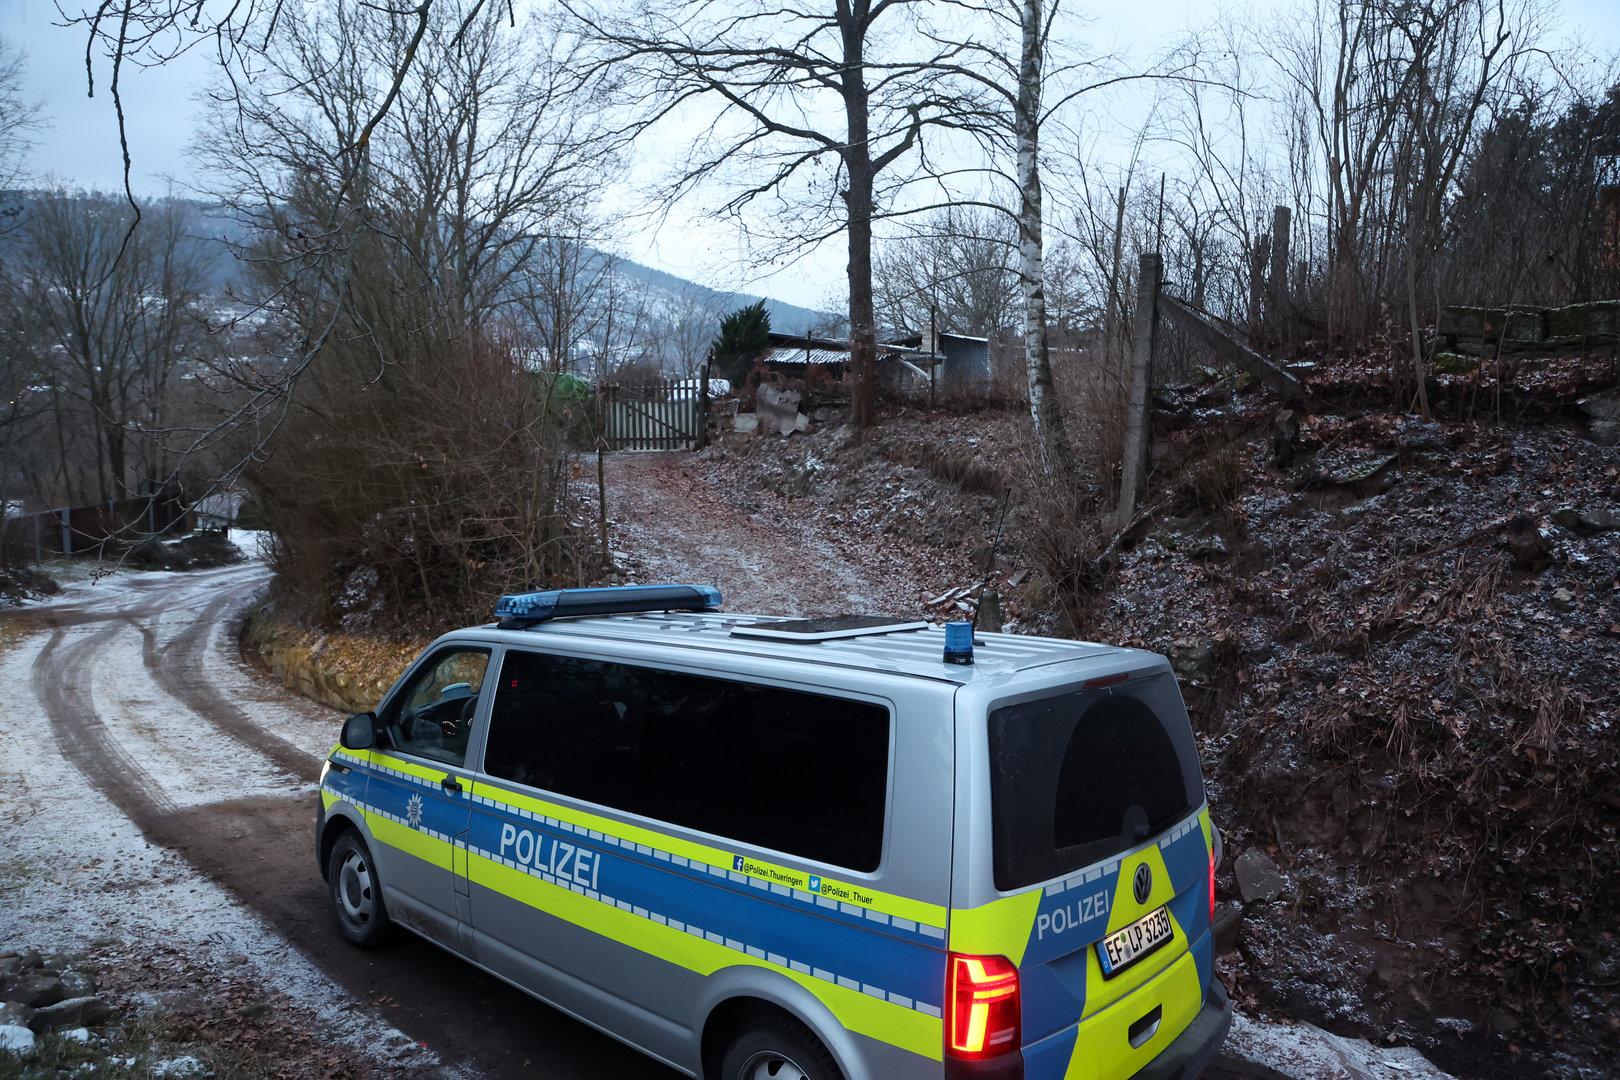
(1142,883)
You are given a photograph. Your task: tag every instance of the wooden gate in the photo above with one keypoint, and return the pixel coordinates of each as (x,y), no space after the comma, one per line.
(663,415)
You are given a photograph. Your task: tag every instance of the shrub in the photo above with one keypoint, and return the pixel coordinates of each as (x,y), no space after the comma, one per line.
(411,500)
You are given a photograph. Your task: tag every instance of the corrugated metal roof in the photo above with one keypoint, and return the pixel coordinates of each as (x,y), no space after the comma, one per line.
(788,354)
(907,652)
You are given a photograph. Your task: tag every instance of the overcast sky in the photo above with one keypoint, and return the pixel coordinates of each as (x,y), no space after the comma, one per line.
(80,145)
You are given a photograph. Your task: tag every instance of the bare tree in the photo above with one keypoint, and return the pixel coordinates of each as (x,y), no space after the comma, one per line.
(466,185)
(1457,52)
(108,344)
(18,118)
(954,266)
(811,105)
(407,268)
(1015,95)
(562,296)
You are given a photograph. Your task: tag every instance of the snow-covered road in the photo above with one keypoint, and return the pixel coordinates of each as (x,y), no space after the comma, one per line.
(100,754)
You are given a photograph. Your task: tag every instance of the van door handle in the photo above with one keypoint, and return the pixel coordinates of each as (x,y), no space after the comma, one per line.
(451,784)
(1145,1028)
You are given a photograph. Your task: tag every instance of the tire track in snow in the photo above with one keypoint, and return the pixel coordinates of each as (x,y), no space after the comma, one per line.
(61,679)
(179,669)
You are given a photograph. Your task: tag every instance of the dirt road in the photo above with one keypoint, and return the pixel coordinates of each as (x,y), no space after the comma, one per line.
(774,561)
(156,803)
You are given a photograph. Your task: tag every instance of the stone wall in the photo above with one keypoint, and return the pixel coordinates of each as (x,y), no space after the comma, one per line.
(1479,330)
(348,672)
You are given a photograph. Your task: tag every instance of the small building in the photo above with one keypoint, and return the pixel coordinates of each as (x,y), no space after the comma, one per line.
(954,364)
(962,362)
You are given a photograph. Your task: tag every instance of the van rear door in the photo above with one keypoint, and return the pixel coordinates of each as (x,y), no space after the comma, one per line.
(1100,840)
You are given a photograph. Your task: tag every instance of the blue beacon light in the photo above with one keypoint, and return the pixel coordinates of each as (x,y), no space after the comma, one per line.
(959,642)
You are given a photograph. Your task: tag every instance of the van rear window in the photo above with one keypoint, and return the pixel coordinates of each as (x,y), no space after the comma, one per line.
(1080,776)
(802,773)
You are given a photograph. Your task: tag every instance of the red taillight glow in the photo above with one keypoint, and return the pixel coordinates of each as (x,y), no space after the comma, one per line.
(984,1008)
(1212,888)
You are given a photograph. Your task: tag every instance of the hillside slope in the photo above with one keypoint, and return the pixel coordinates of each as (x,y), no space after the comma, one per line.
(1399,648)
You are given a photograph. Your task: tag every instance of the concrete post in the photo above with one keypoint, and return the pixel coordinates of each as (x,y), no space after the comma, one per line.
(1134,466)
(1280,307)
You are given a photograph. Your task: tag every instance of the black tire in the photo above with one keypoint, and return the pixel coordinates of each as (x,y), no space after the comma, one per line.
(777,1047)
(357,900)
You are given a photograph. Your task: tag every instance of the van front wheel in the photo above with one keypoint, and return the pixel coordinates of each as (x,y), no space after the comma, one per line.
(778,1048)
(356,893)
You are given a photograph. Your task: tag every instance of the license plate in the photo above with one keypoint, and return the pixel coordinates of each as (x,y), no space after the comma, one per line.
(1121,949)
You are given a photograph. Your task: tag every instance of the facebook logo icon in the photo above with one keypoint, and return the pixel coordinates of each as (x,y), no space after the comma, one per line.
(736,862)
(815,884)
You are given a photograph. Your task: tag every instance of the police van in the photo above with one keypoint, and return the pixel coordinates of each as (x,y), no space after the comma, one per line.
(761,847)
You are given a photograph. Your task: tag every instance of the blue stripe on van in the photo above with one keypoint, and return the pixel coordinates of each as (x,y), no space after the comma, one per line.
(904,962)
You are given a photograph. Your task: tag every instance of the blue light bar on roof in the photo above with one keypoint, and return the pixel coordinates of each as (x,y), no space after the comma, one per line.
(525,609)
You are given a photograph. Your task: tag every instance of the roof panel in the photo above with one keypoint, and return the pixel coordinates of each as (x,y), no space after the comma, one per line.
(906,652)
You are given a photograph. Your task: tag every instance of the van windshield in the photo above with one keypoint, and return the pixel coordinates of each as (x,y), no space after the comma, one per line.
(1085,774)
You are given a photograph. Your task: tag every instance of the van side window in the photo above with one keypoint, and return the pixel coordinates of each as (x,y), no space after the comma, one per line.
(801,773)
(432,715)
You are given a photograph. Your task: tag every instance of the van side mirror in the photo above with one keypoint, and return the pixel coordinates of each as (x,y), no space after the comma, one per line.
(359,732)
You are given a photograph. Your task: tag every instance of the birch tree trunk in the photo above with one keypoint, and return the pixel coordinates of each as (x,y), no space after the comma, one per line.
(1046,414)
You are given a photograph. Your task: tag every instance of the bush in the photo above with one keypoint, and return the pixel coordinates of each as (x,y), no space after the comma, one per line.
(408,502)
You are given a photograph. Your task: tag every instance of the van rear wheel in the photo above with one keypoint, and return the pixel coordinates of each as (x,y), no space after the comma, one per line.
(357,900)
(778,1048)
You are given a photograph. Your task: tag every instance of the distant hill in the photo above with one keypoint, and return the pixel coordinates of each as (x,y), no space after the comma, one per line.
(666,300)
(785,318)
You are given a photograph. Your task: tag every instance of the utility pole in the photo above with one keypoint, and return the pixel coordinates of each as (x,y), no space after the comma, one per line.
(933,352)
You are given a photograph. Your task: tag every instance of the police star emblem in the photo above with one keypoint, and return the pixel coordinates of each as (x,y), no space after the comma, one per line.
(413,812)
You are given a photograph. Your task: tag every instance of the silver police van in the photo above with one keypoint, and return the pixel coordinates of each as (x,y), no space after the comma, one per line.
(758,847)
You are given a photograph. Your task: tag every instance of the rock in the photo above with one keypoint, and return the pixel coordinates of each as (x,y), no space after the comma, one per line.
(1530,549)
(1563,598)
(1257,876)
(77,984)
(1193,657)
(745,423)
(29,958)
(9,966)
(16,1040)
(74,1012)
(35,989)
(1603,519)
(15,1013)
(78,1034)
(1605,432)
(1602,407)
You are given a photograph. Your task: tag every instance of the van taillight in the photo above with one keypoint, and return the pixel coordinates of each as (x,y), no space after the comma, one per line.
(1212,885)
(983,996)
